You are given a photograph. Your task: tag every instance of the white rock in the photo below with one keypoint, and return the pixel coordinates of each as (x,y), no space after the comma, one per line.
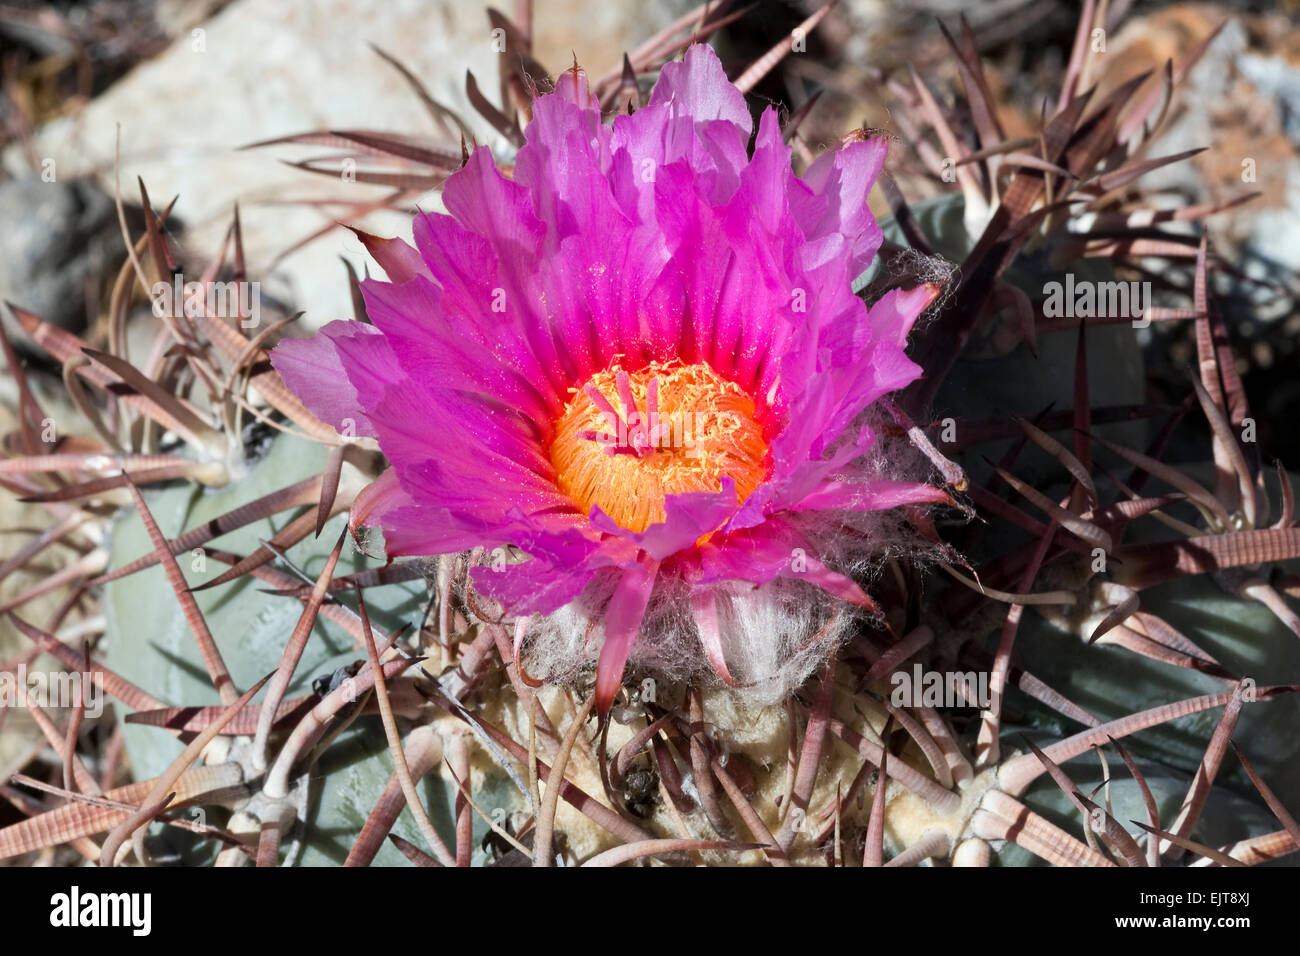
(262,70)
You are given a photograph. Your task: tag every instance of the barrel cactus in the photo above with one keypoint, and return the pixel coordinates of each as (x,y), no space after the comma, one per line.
(662,506)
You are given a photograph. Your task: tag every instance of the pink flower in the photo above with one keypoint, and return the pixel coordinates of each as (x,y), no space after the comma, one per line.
(641,363)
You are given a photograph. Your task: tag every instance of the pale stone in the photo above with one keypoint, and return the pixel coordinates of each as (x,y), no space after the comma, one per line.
(258,70)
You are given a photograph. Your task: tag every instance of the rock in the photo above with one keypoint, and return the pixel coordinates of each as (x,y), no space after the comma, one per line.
(1241,100)
(58,240)
(1277,78)
(257,70)
(596,32)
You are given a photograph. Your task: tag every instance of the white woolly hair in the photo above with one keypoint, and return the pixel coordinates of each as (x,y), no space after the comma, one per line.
(773,636)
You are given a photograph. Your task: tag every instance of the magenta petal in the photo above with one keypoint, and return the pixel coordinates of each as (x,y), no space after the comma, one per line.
(842,179)
(704,607)
(689,516)
(776,549)
(375,500)
(892,317)
(622,621)
(473,353)
(313,370)
(572,87)
(695,118)
(416,530)
(832,582)
(398,258)
(698,87)
(876,495)
(756,555)
(533,587)
(339,373)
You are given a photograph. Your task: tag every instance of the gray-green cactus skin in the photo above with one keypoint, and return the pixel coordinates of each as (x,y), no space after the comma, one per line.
(149,643)
(985,383)
(1109,681)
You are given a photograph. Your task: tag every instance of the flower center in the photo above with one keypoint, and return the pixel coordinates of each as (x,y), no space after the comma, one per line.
(629,439)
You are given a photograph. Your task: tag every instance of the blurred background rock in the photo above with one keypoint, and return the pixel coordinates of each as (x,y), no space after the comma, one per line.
(188,82)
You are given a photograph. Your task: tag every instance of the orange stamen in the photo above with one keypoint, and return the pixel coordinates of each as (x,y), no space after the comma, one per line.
(627,440)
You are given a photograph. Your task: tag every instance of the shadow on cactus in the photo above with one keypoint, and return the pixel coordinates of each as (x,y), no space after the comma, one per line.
(615,528)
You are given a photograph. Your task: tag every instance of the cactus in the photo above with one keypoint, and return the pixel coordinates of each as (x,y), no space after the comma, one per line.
(1124,622)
